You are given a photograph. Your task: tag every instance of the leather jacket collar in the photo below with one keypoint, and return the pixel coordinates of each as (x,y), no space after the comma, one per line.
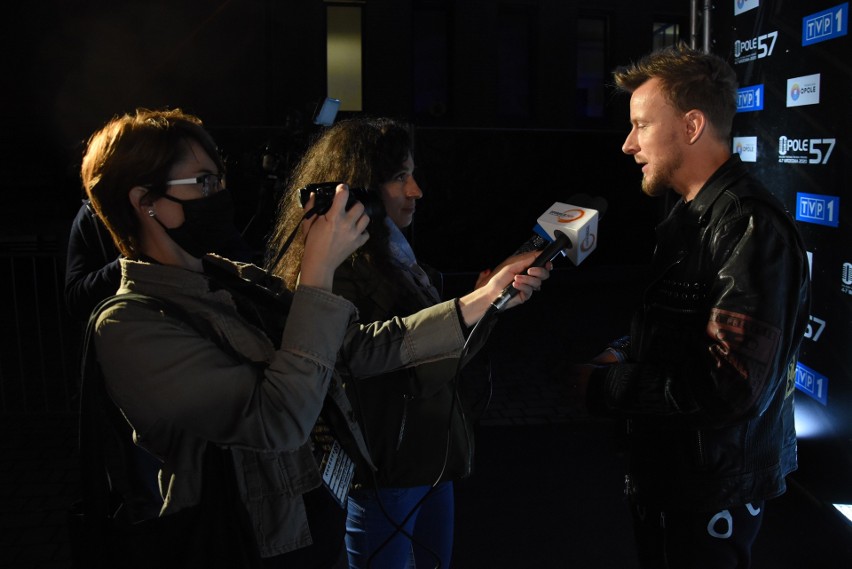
(699,209)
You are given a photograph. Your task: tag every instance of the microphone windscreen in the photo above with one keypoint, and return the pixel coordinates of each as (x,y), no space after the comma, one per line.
(578,222)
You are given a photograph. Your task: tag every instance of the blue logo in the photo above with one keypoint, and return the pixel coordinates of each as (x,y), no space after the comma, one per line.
(818,209)
(750,98)
(794,92)
(826,25)
(812,383)
(741,6)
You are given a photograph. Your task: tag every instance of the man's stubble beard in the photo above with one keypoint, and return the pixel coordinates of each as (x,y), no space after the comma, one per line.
(660,183)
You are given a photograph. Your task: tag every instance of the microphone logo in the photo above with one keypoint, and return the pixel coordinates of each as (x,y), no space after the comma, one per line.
(588,242)
(570,215)
(578,223)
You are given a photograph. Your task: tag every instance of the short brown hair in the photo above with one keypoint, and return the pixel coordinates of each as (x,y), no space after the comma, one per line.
(132,150)
(690,79)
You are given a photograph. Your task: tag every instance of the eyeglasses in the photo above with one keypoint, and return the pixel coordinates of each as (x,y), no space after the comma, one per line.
(210,183)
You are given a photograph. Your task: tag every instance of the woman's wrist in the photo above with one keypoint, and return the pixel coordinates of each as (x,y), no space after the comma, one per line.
(317,276)
(473,305)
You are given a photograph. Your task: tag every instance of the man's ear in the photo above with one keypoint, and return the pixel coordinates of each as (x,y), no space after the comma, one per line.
(696,123)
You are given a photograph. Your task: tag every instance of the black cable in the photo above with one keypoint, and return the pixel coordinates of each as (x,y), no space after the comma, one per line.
(292,236)
(398,527)
(549,253)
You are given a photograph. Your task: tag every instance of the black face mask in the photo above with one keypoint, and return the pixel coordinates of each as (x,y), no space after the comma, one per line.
(208,225)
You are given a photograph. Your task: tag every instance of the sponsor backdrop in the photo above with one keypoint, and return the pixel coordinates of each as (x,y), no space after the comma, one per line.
(794,123)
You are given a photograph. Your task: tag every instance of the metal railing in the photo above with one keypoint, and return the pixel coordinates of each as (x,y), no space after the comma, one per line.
(39,351)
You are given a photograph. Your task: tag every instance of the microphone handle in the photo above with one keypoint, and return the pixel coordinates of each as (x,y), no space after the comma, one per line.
(534,243)
(548,254)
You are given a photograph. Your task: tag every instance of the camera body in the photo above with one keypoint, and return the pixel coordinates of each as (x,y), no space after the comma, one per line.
(325,191)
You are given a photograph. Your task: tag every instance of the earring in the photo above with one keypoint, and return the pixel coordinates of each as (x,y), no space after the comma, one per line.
(151,213)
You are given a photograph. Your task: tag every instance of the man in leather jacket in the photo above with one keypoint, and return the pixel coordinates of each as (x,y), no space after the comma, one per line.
(707,374)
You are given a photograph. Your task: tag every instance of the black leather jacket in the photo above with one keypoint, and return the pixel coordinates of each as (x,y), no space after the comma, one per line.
(414,419)
(709,380)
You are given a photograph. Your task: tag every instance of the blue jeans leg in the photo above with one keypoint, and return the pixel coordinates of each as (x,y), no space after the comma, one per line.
(373,541)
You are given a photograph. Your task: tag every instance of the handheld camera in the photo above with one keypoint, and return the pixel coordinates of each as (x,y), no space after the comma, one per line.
(324,191)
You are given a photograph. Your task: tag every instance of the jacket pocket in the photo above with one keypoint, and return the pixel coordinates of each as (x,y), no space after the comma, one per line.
(278,474)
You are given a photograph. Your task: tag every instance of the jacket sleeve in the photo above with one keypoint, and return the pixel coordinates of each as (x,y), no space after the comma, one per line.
(167,377)
(751,331)
(431,334)
(754,328)
(427,340)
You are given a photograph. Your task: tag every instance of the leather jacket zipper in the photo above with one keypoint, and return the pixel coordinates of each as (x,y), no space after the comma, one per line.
(468,437)
(405,399)
(700,441)
(681,255)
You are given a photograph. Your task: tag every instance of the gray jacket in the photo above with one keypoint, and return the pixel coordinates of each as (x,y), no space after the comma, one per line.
(179,389)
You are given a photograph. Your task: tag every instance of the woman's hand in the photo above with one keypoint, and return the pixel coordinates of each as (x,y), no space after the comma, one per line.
(486,274)
(330,238)
(513,271)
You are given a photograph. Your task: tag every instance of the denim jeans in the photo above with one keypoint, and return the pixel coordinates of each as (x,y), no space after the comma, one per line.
(373,540)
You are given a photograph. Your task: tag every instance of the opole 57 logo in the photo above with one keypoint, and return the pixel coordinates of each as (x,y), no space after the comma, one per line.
(815,328)
(805,150)
(754,48)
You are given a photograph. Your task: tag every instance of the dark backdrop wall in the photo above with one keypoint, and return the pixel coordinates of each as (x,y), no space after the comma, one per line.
(504,76)
(70,66)
(485,189)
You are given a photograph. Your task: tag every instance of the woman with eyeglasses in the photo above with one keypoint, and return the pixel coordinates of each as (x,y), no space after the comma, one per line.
(255,369)
(92,267)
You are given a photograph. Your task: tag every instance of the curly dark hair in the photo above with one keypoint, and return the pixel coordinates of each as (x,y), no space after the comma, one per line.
(361,152)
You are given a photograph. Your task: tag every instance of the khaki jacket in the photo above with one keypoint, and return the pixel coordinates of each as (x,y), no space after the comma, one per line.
(179,389)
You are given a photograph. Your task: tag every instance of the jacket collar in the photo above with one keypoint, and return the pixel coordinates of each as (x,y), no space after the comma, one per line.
(161,280)
(728,173)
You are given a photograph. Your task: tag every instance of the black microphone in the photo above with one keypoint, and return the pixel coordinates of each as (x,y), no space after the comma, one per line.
(549,253)
(569,229)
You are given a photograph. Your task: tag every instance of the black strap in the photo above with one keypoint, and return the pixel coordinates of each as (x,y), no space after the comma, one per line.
(100,418)
(216,534)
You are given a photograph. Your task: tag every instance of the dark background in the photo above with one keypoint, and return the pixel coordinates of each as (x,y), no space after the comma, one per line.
(505,124)
(507,137)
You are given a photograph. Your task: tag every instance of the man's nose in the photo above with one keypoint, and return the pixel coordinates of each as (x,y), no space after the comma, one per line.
(630,146)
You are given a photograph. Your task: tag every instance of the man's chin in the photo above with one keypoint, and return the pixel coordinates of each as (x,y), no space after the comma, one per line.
(653,188)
